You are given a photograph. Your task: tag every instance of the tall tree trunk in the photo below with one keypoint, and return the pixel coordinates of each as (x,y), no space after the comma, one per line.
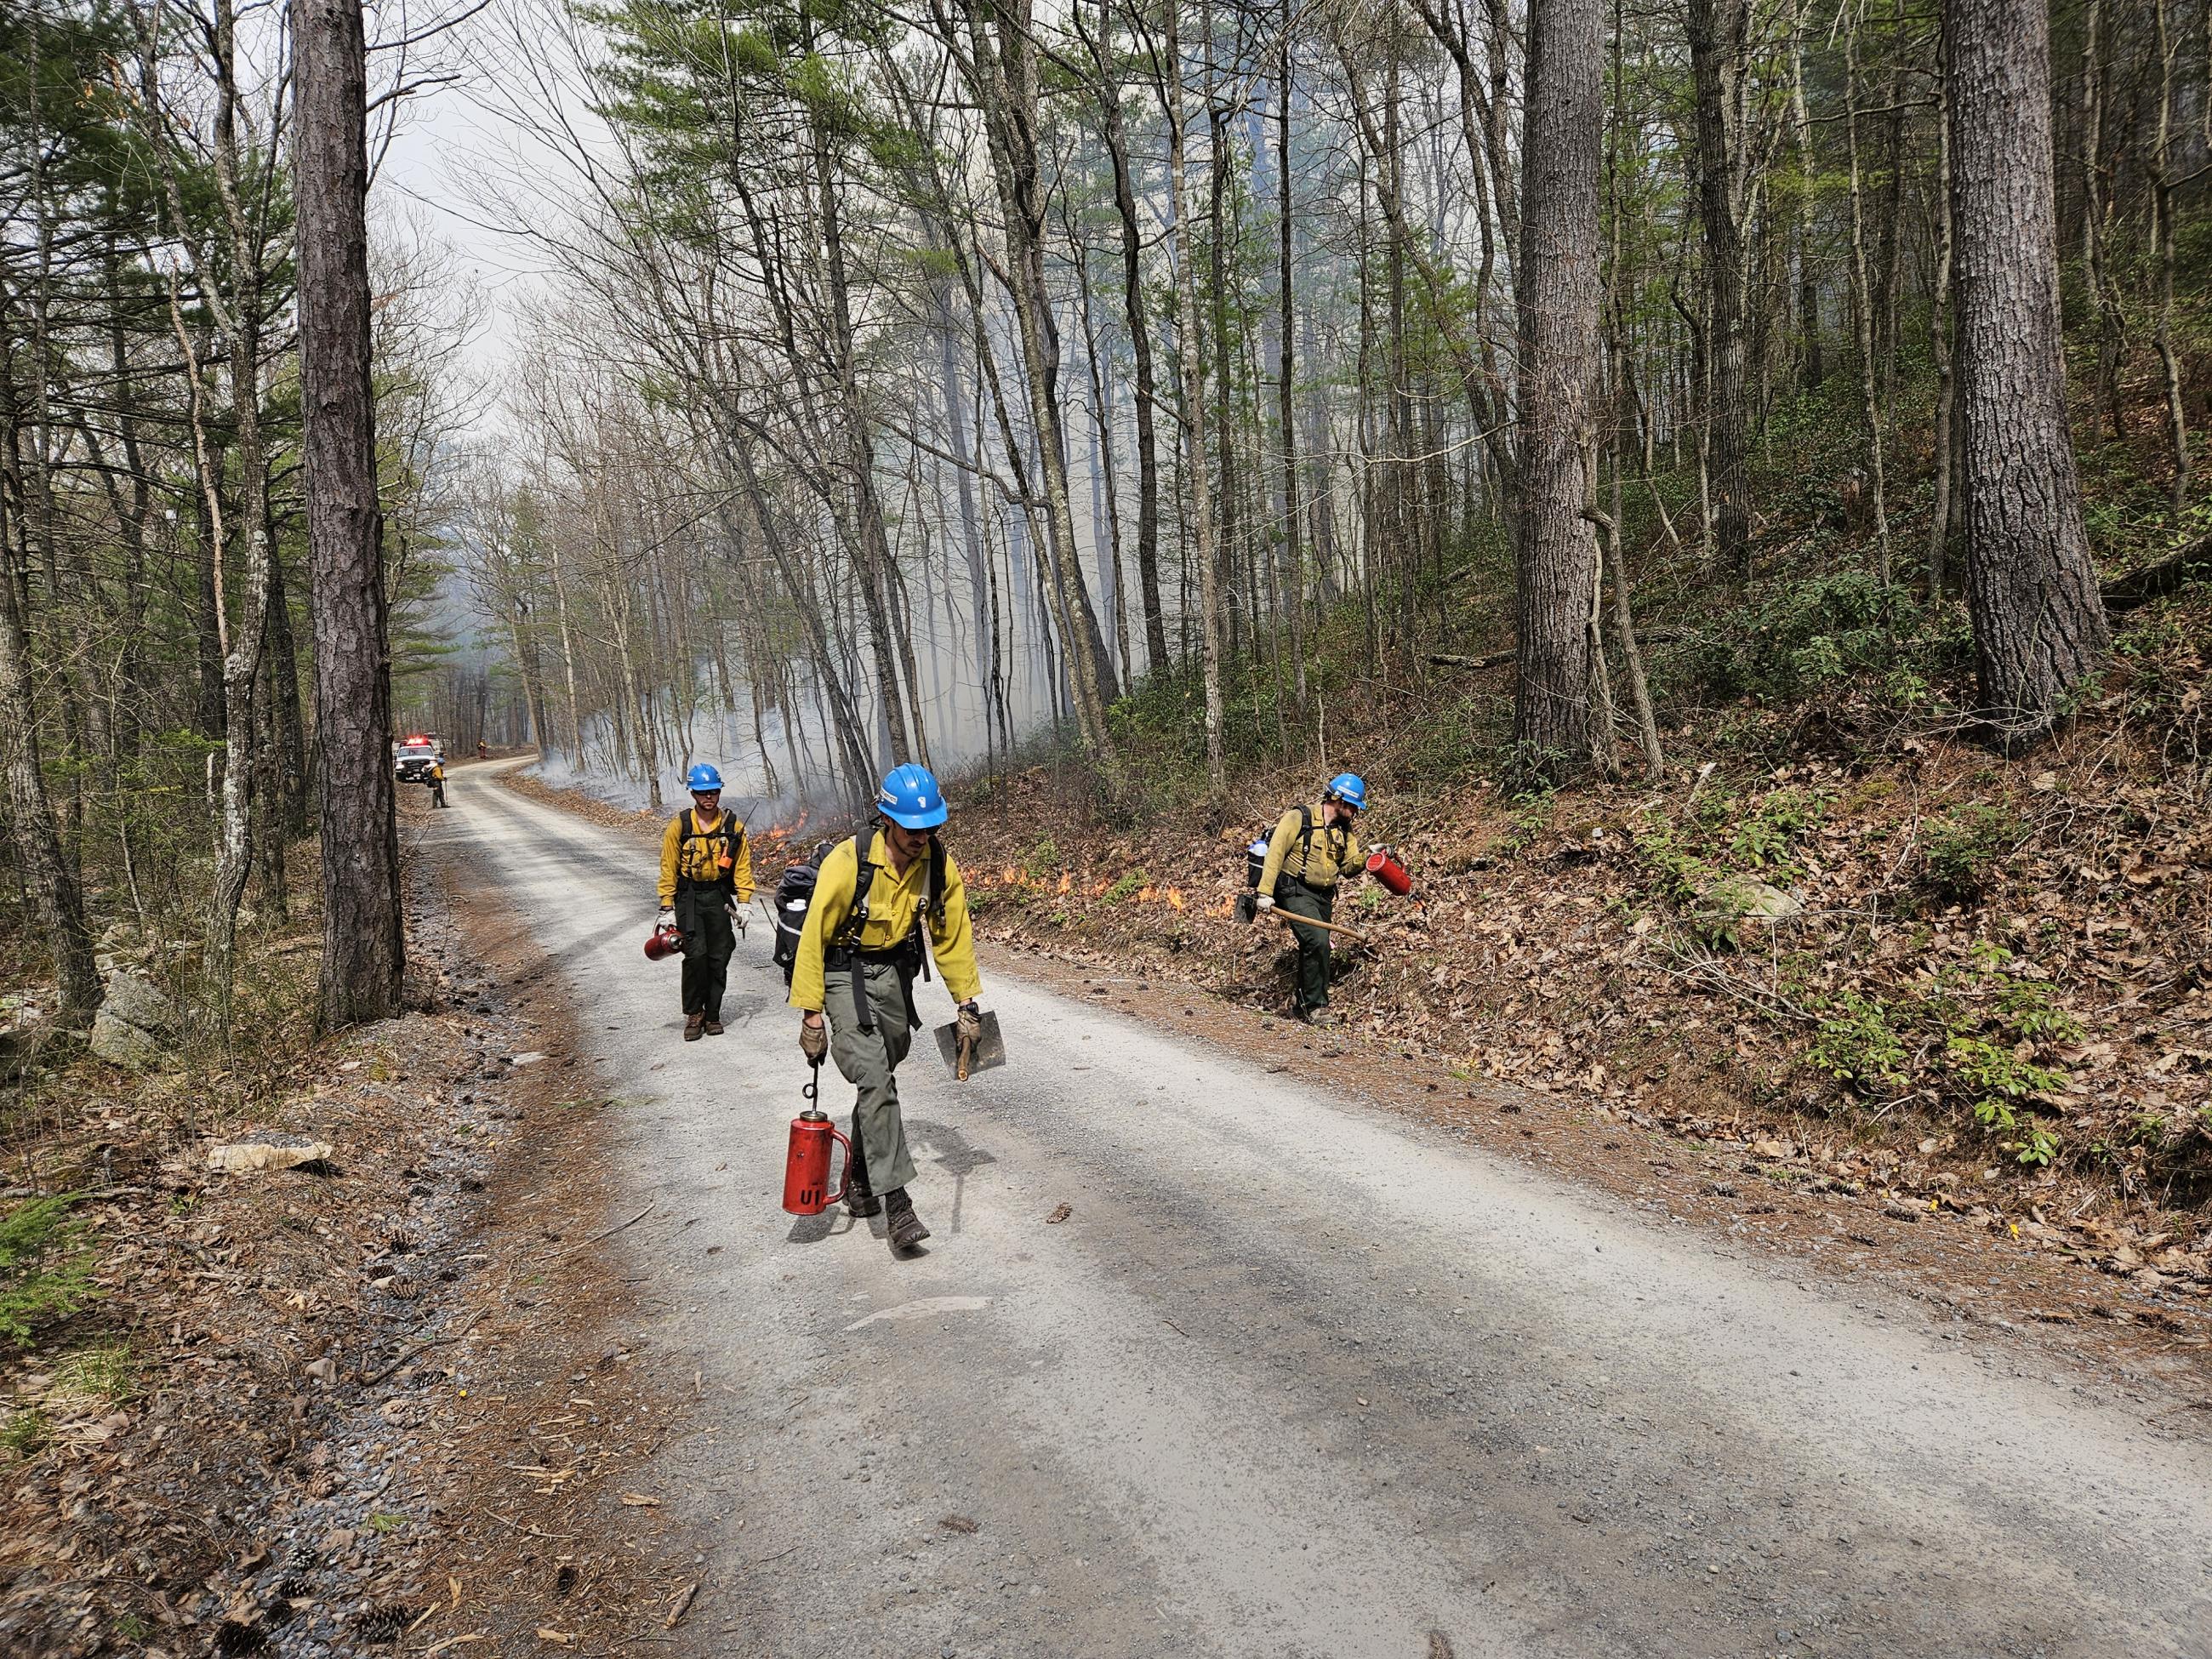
(269,829)
(1224,407)
(1200,485)
(290,732)
(1105,491)
(1561,284)
(2162,247)
(1719,49)
(1808,286)
(1140,343)
(363,949)
(1286,424)
(1940,307)
(56,896)
(234,295)
(1862,298)
(956,420)
(206,614)
(871,539)
(2039,627)
(2096,206)
(572,700)
(1007,72)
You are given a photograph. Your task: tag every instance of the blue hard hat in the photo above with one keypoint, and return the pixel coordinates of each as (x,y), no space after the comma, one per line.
(910,798)
(1347,788)
(702,777)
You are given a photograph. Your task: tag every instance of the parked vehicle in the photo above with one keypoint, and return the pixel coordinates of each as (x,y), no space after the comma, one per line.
(421,759)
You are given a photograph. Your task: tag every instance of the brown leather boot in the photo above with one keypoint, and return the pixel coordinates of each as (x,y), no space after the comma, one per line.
(903,1226)
(714,1028)
(694,1027)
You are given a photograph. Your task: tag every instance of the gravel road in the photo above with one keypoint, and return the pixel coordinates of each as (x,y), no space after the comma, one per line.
(1295,1377)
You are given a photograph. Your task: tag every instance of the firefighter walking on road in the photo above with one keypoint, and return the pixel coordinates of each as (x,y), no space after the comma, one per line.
(855,963)
(1311,850)
(706,874)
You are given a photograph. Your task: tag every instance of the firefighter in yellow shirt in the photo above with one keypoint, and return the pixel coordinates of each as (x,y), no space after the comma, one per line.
(1313,848)
(706,873)
(855,964)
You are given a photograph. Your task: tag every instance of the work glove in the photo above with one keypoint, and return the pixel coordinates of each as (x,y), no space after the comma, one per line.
(737,918)
(1264,903)
(968,1023)
(813,1040)
(668,919)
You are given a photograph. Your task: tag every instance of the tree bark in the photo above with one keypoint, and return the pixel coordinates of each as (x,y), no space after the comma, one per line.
(1940,353)
(1863,299)
(1007,69)
(1294,577)
(1140,345)
(56,896)
(1193,422)
(1719,46)
(2039,627)
(1808,287)
(2163,190)
(363,949)
(1561,284)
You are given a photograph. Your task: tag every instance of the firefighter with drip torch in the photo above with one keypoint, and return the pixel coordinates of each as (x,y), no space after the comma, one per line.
(706,875)
(853,974)
(1310,850)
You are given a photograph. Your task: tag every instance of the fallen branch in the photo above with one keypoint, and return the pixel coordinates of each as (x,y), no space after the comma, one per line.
(1499,659)
(421,1348)
(597,1238)
(2140,587)
(683,1605)
(549,1537)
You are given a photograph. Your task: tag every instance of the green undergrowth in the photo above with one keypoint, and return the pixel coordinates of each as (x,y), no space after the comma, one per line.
(1980,1041)
(45,1265)
(1863,915)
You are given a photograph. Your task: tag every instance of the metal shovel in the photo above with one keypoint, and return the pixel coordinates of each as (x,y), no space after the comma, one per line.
(989,1048)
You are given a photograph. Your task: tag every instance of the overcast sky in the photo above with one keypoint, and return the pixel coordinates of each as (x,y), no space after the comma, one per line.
(453,147)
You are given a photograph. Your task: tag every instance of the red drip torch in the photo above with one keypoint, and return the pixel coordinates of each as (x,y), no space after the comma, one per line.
(1383,865)
(665,942)
(806,1162)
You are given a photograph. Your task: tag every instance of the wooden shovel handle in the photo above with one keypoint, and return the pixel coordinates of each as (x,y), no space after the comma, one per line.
(1293,918)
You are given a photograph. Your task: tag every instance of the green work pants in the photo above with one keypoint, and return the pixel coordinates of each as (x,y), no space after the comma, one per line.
(1300,900)
(703,914)
(869,1060)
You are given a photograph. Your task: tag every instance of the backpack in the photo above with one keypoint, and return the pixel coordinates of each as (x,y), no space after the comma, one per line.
(1255,855)
(794,894)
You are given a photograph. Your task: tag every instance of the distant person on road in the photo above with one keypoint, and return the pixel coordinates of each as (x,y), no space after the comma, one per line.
(706,874)
(481,750)
(1312,849)
(856,962)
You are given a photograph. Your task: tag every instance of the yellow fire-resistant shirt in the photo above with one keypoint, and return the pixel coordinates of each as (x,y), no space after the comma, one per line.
(893,899)
(1331,854)
(700,857)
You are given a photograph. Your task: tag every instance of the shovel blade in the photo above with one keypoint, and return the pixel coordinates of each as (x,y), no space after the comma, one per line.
(990,1049)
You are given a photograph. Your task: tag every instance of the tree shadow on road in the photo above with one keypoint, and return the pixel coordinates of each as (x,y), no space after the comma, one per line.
(949,1149)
